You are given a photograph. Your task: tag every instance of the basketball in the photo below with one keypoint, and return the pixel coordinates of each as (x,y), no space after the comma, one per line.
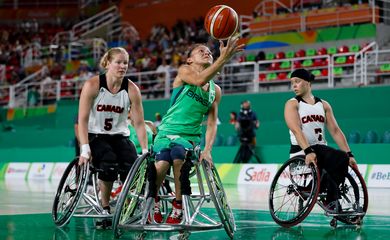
(221,22)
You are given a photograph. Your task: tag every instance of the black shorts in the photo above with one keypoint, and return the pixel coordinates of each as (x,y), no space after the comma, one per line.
(334,161)
(112,154)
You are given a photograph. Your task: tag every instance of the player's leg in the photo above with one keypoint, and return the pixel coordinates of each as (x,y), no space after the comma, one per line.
(162,165)
(178,155)
(335,163)
(105,160)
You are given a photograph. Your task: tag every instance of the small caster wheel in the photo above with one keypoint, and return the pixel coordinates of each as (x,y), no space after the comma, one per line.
(141,236)
(185,235)
(118,234)
(333,223)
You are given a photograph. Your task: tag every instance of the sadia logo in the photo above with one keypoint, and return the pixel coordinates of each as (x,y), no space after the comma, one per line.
(15,170)
(257,176)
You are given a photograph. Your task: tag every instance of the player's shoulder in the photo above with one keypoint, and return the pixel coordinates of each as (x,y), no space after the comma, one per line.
(93,83)
(131,85)
(217,87)
(326,104)
(93,80)
(292,101)
(184,69)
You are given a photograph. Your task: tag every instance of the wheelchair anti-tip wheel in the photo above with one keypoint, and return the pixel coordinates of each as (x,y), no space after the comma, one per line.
(219,198)
(72,184)
(294,191)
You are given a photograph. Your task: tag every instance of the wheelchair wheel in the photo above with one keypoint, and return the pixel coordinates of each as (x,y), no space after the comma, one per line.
(294,191)
(72,184)
(219,198)
(354,197)
(128,208)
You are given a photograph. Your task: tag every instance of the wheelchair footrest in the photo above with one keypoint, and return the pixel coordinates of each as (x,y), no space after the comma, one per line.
(345,214)
(93,215)
(169,227)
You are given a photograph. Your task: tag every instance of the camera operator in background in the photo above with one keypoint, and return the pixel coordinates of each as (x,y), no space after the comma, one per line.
(246,124)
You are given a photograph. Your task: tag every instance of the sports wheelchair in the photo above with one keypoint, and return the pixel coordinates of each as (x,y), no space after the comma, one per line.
(135,206)
(73,199)
(296,188)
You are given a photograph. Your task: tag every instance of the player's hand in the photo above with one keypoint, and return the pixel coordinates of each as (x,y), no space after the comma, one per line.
(85,155)
(206,156)
(231,48)
(83,160)
(352,163)
(311,158)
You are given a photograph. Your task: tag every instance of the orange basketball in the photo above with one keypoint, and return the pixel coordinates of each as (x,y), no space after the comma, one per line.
(221,22)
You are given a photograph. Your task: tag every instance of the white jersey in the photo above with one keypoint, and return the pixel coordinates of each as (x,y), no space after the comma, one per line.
(312,120)
(109,111)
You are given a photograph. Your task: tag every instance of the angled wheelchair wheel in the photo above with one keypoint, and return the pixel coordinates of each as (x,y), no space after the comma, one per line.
(354,198)
(218,196)
(128,209)
(72,184)
(294,191)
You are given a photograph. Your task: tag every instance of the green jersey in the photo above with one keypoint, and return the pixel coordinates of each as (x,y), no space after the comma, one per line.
(189,104)
(133,137)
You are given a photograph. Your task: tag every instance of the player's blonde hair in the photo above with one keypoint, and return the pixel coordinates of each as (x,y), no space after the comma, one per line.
(109,55)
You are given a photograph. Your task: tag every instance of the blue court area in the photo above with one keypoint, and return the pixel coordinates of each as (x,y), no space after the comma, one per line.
(25,214)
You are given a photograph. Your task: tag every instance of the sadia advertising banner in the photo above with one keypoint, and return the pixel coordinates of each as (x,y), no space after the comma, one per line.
(17,170)
(257,174)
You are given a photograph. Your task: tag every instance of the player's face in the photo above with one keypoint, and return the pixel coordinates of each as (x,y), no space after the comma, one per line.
(119,64)
(202,55)
(299,86)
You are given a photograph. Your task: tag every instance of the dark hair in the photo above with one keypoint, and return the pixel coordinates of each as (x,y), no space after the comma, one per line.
(303,74)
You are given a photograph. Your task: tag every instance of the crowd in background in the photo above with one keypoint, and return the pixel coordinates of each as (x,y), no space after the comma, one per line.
(164,47)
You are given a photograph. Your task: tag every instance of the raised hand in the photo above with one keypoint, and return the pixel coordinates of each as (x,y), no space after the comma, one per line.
(232,47)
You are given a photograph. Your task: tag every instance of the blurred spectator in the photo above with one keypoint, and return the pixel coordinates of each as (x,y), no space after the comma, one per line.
(162,71)
(157,120)
(233,118)
(56,71)
(33,96)
(260,56)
